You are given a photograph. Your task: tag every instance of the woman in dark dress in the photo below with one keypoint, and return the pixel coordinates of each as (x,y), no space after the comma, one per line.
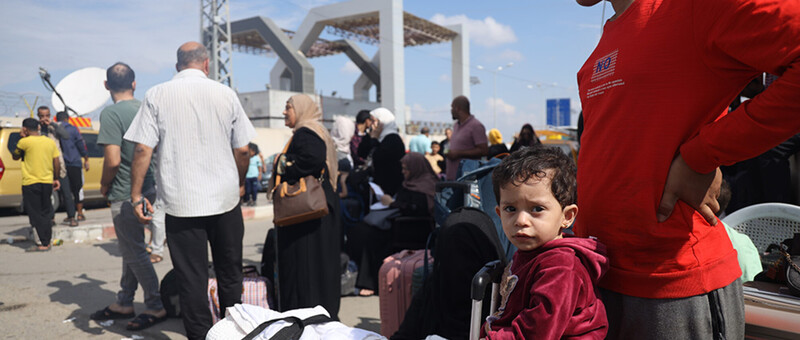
(527,137)
(386,148)
(308,253)
(368,245)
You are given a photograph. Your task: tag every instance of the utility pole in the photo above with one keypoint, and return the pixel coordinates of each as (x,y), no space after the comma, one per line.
(494,88)
(215,33)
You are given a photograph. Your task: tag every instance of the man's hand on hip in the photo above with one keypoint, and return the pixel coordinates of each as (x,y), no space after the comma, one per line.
(700,191)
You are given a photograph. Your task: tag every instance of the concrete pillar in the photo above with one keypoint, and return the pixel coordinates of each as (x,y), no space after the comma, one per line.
(358,57)
(363,83)
(460,72)
(299,76)
(392,63)
(306,35)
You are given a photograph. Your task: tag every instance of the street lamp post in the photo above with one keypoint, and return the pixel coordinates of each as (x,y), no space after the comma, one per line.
(494,88)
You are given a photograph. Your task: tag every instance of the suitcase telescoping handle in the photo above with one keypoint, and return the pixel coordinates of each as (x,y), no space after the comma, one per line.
(491,272)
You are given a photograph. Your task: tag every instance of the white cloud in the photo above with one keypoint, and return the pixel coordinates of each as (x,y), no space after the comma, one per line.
(487,32)
(309,4)
(350,68)
(444,78)
(97,33)
(505,56)
(502,107)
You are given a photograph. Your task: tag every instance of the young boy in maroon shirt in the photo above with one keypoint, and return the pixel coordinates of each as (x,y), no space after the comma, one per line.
(548,290)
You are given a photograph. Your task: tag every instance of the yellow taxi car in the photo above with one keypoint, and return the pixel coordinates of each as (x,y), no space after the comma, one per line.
(11,172)
(563,140)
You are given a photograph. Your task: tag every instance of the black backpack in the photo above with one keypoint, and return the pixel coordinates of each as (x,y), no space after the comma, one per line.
(169,294)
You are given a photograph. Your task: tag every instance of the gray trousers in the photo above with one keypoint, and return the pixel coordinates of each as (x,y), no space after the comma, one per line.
(158,232)
(136,266)
(715,315)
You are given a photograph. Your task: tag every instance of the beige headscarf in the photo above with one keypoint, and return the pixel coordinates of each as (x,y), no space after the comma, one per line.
(309,116)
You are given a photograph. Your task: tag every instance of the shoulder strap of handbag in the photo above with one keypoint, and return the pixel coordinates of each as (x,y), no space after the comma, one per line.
(277,175)
(291,332)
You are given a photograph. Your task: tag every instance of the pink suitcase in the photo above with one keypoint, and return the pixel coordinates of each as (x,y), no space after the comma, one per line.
(395,287)
(254,292)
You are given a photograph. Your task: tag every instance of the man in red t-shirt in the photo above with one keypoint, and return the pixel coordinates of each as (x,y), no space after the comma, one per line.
(653,92)
(469,137)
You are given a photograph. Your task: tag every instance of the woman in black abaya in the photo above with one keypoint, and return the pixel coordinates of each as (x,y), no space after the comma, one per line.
(308,269)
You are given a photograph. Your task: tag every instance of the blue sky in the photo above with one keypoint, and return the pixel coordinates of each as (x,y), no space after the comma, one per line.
(547,41)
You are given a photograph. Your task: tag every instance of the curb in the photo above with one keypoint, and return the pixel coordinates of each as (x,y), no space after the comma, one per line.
(257,212)
(100,232)
(92,232)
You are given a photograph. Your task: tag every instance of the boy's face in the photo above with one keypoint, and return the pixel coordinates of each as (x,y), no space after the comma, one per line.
(44,116)
(531,215)
(435,148)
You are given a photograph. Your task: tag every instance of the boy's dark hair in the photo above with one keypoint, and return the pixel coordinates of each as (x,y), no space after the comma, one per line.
(434,143)
(120,77)
(43,107)
(253,147)
(62,116)
(724,198)
(31,124)
(523,164)
(362,116)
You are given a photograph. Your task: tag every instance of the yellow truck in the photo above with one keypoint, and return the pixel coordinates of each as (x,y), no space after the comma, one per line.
(11,172)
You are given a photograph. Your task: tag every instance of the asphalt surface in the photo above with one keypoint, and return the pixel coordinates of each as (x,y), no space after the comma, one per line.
(50,295)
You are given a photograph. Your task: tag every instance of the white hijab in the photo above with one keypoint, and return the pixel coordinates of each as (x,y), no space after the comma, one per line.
(342,133)
(387,120)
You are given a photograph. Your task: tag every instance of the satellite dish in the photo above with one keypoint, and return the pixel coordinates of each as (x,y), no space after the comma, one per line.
(82,90)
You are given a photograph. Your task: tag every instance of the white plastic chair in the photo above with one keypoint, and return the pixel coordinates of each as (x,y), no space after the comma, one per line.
(766,223)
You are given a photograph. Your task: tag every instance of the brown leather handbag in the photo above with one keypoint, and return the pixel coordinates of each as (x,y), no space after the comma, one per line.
(296,203)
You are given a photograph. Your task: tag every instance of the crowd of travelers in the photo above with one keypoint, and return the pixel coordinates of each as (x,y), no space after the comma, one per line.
(646,257)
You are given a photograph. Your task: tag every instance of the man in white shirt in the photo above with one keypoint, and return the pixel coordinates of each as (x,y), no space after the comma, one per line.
(202,133)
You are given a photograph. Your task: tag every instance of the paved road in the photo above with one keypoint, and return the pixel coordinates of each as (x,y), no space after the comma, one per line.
(50,295)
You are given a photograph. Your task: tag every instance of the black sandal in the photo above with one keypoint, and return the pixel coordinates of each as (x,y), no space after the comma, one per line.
(143,321)
(108,314)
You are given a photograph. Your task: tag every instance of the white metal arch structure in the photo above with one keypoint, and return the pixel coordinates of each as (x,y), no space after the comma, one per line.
(395,30)
(392,63)
(766,223)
